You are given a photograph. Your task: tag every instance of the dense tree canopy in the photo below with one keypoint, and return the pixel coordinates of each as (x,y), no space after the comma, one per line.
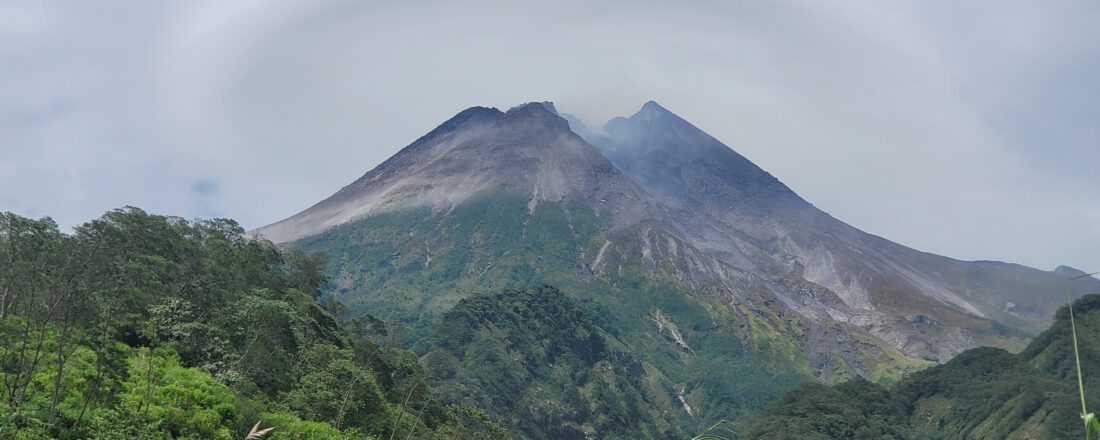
(150,327)
(541,363)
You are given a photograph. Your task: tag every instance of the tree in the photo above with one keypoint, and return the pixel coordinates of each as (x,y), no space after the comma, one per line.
(306,272)
(334,389)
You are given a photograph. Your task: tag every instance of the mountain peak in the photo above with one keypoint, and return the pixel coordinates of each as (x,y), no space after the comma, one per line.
(527,151)
(472,114)
(1071,272)
(511,197)
(652,111)
(534,107)
(652,106)
(538,113)
(654,119)
(684,166)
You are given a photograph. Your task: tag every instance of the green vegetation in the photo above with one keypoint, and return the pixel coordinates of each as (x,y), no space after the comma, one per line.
(149,327)
(543,365)
(411,267)
(984,393)
(140,326)
(856,409)
(144,326)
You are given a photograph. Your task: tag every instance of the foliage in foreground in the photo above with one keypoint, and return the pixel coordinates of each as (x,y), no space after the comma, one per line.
(148,327)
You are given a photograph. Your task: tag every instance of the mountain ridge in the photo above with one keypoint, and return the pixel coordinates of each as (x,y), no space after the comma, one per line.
(700,259)
(735,204)
(698,189)
(533,123)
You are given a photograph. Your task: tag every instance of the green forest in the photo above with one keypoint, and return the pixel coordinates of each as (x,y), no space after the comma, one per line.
(139,326)
(984,393)
(659,360)
(545,366)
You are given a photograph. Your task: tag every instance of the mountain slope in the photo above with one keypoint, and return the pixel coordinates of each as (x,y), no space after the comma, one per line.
(744,216)
(413,267)
(410,263)
(984,393)
(545,365)
(528,149)
(725,286)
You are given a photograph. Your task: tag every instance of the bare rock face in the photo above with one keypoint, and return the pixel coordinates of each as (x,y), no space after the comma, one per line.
(925,305)
(680,202)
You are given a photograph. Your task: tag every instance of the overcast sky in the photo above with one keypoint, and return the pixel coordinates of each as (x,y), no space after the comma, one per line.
(968,129)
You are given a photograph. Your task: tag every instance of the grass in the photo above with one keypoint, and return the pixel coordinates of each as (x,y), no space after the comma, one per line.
(712,433)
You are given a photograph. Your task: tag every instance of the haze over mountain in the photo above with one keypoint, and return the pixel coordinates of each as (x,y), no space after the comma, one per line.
(698,259)
(729,206)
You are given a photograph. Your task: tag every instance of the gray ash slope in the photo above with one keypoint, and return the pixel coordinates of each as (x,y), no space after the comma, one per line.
(722,226)
(924,304)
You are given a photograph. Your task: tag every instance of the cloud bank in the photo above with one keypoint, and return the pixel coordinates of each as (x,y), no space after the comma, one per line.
(964,129)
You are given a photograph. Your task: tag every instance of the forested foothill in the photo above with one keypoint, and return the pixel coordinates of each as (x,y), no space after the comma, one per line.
(142,326)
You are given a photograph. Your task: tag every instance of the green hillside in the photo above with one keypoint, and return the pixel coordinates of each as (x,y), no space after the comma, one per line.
(544,365)
(139,326)
(984,393)
(145,326)
(151,327)
(413,269)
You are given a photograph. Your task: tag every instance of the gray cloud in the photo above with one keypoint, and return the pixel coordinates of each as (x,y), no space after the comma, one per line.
(964,129)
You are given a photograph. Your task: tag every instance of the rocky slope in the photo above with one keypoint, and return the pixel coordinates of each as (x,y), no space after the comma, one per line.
(719,281)
(923,304)
(526,150)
